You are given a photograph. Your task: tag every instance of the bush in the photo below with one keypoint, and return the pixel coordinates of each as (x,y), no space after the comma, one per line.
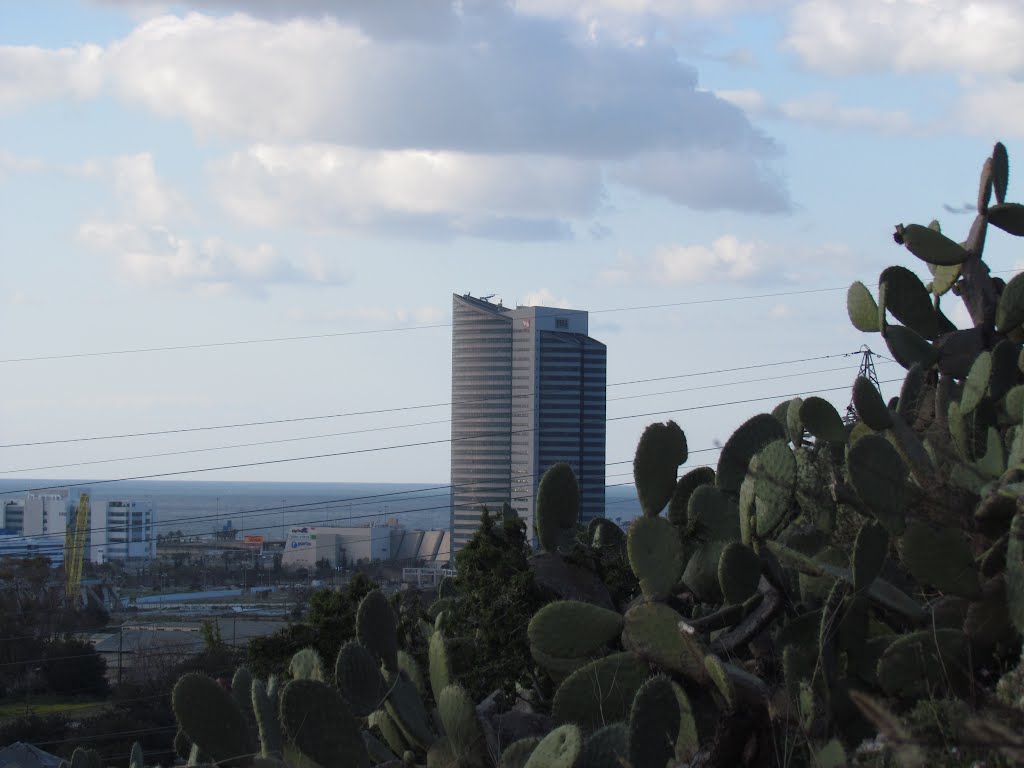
(73,667)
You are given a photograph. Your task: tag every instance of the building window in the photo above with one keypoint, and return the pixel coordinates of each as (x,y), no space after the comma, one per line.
(561,322)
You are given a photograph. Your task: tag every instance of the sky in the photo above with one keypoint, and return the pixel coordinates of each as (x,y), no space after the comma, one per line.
(705,176)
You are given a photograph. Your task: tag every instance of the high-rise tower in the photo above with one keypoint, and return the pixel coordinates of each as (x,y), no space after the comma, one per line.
(528,391)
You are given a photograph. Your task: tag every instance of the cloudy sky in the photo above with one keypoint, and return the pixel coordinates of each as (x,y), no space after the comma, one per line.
(235,170)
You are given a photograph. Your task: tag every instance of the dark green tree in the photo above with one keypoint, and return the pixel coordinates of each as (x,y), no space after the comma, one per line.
(497,598)
(330,623)
(72,666)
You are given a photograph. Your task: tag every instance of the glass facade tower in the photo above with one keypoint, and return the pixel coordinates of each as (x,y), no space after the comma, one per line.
(528,391)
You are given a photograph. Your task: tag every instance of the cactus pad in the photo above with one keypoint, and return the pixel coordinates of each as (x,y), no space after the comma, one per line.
(241,689)
(862,309)
(662,448)
(714,515)
(753,435)
(1010,310)
(517,754)
(212,719)
(1009,217)
(405,707)
(568,629)
(774,470)
(559,749)
(869,404)
(869,551)
(821,419)
(908,347)
(266,712)
(607,747)
(878,473)
(977,383)
(358,678)
(558,504)
(930,246)
(557,668)
(599,693)
(941,558)
(923,663)
(908,300)
(461,724)
(679,504)
(655,555)
(1015,571)
(739,572)
(653,632)
(376,630)
(440,665)
(319,723)
(307,665)
(701,574)
(653,724)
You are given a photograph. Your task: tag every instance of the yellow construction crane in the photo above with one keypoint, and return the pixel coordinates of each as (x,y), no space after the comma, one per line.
(75,541)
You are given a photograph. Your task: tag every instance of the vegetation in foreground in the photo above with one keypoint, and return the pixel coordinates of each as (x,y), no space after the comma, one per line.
(832,594)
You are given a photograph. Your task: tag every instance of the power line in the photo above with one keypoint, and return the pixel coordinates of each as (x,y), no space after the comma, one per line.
(402,329)
(398,329)
(278,441)
(345,500)
(292,420)
(422,443)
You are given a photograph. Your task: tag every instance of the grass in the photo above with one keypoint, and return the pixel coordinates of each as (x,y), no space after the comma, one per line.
(51,704)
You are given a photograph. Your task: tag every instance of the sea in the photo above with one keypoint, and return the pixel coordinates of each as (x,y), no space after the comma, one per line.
(269,509)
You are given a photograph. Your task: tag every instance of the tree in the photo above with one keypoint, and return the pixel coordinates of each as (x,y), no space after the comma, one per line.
(330,623)
(72,666)
(498,596)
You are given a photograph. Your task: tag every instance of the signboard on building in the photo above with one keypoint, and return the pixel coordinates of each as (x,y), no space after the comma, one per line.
(253,542)
(301,538)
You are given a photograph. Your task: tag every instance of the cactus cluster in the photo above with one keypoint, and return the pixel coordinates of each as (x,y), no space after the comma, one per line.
(826,583)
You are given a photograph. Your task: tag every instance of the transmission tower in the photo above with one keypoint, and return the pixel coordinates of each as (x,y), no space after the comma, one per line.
(867,371)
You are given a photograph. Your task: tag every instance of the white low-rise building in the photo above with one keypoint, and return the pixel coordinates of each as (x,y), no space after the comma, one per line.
(347,547)
(122,530)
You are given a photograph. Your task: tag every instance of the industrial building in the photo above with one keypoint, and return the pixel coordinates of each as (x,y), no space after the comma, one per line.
(115,530)
(351,546)
(528,391)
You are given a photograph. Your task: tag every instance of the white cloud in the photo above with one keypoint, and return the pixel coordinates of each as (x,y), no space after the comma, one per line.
(29,74)
(730,258)
(496,86)
(545,298)
(325,186)
(706,179)
(747,99)
(11,163)
(150,199)
(841,37)
(425,315)
(821,109)
(155,257)
(726,258)
(993,107)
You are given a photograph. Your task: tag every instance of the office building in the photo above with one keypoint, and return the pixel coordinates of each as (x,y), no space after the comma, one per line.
(121,530)
(528,391)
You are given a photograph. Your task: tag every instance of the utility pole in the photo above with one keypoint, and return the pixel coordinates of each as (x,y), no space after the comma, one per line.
(120,651)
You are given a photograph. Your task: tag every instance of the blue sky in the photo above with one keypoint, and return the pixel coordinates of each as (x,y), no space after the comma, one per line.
(178,174)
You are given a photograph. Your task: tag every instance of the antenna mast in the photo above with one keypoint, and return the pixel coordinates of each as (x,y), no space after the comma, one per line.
(867,371)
